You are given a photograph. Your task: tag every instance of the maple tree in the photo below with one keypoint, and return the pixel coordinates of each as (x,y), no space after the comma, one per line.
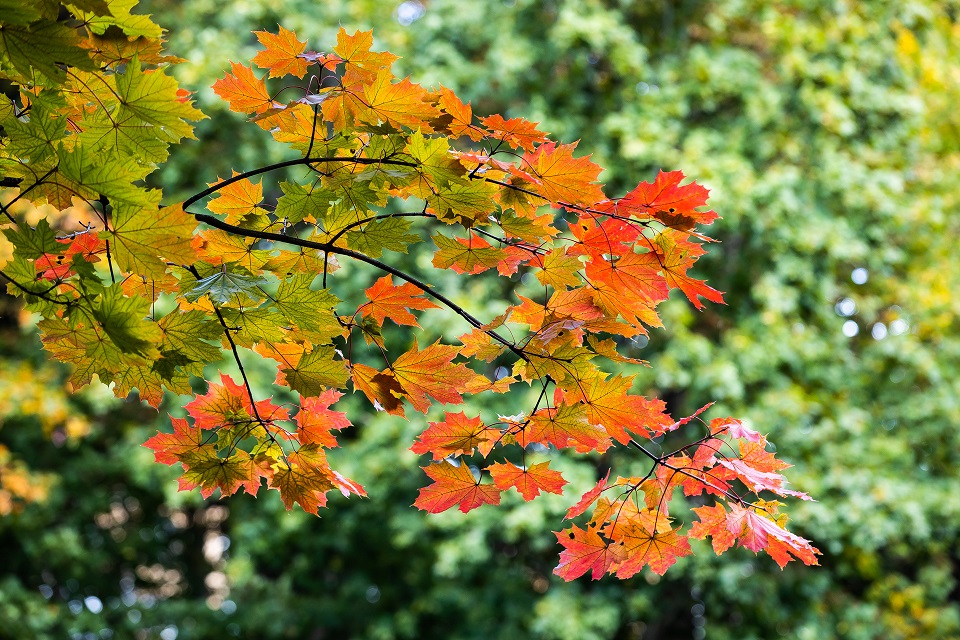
(145,292)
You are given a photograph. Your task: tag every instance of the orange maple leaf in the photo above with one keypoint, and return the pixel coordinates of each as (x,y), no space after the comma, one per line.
(169,448)
(562,178)
(713,522)
(516,132)
(237,199)
(400,104)
(644,547)
(431,372)
(609,405)
(456,435)
(245,92)
(588,498)
(355,51)
(461,115)
(281,55)
(675,255)
(389,301)
(666,200)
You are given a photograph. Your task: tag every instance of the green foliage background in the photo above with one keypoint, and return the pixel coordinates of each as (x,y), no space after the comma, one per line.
(828,134)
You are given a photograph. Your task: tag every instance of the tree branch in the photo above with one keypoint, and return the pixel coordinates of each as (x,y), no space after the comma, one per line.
(328,247)
(290,163)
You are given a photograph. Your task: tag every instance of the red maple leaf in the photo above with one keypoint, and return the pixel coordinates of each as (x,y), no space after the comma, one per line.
(454,485)
(315,420)
(585,550)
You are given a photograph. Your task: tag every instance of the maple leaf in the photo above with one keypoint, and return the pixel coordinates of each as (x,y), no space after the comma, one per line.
(588,498)
(223,404)
(237,199)
(153,97)
(563,426)
(675,255)
(609,237)
(389,301)
(608,405)
(430,372)
(466,255)
(243,90)
(400,104)
(282,53)
(316,371)
(455,435)
(204,469)
(141,237)
(480,344)
(666,200)
(528,481)
(315,420)
(454,485)
(583,551)
(644,546)
(381,388)
(303,478)
(562,178)
(169,448)
(355,50)
(758,533)
(713,523)
(516,132)
(558,269)
(461,115)
(735,428)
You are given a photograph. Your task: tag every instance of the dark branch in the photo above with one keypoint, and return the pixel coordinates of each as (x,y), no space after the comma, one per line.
(290,163)
(330,248)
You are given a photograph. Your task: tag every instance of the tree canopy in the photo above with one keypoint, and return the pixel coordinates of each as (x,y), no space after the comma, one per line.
(777,223)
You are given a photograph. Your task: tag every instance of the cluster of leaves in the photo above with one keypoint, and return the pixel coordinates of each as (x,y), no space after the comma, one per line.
(143,298)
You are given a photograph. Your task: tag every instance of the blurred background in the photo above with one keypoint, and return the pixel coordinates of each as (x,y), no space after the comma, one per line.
(829,135)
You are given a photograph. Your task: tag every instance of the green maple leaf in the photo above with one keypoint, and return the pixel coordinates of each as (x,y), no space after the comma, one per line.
(469,259)
(152,97)
(223,285)
(42,46)
(316,372)
(141,235)
(36,139)
(184,344)
(387,233)
(433,156)
(93,175)
(468,203)
(118,14)
(21,13)
(250,326)
(149,381)
(204,469)
(298,202)
(130,137)
(306,309)
(33,243)
(124,321)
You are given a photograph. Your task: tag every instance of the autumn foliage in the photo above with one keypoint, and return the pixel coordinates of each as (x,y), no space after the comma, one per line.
(381,161)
